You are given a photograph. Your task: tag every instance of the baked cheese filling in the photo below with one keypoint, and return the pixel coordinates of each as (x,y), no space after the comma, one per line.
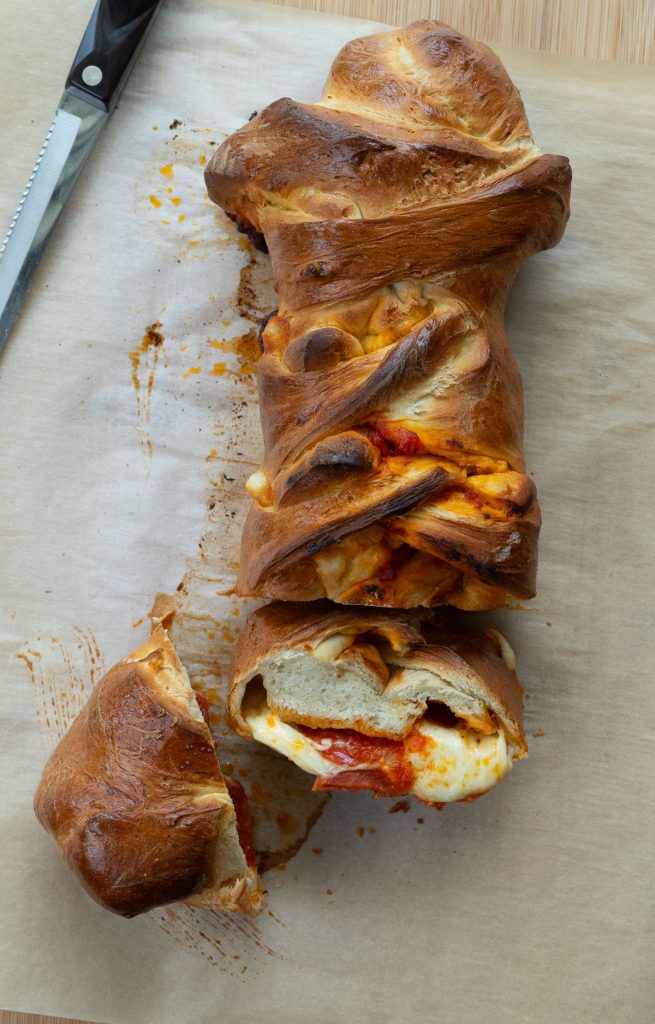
(437,763)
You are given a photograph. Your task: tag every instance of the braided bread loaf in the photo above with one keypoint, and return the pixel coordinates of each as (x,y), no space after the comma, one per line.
(397,211)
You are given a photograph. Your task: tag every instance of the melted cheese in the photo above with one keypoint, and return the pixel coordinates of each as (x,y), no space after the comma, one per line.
(269,729)
(451,764)
(457,762)
(330,648)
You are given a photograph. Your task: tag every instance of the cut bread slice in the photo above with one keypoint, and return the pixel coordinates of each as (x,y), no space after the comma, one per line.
(135,798)
(375,699)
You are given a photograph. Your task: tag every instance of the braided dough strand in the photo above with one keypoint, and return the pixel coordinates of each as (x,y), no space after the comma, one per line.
(397,212)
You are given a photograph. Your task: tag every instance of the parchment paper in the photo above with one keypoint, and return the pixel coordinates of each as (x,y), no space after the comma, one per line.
(129,425)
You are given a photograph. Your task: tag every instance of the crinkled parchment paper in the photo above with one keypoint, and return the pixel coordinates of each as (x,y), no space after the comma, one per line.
(129,425)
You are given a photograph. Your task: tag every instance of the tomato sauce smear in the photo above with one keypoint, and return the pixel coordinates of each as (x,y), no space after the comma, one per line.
(370,762)
(239,799)
(390,439)
(203,705)
(244,824)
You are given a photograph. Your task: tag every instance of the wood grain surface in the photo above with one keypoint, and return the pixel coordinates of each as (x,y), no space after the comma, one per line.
(620,30)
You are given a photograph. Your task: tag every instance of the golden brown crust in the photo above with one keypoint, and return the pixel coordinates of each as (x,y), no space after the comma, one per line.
(416,639)
(279,625)
(319,261)
(397,211)
(475,656)
(134,796)
(419,110)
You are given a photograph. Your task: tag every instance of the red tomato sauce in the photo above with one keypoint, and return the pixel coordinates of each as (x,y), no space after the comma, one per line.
(398,558)
(393,440)
(239,799)
(464,492)
(244,824)
(203,705)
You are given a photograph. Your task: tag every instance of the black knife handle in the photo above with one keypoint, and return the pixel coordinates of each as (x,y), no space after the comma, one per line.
(108,49)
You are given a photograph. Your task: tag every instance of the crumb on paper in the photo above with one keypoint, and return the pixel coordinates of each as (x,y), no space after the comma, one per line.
(400,805)
(175,123)
(360,831)
(538,732)
(318,850)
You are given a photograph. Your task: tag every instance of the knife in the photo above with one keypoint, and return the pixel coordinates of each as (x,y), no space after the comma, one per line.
(102,64)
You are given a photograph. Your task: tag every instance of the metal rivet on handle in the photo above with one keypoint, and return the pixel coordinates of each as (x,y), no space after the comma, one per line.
(92,75)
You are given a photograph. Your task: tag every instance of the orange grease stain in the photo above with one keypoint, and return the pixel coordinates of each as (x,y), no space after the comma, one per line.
(245,347)
(287,823)
(247,368)
(155,202)
(152,339)
(166,171)
(191,370)
(260,795)
(143,360)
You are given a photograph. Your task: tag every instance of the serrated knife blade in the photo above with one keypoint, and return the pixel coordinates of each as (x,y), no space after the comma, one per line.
(103,61)
(71,138)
